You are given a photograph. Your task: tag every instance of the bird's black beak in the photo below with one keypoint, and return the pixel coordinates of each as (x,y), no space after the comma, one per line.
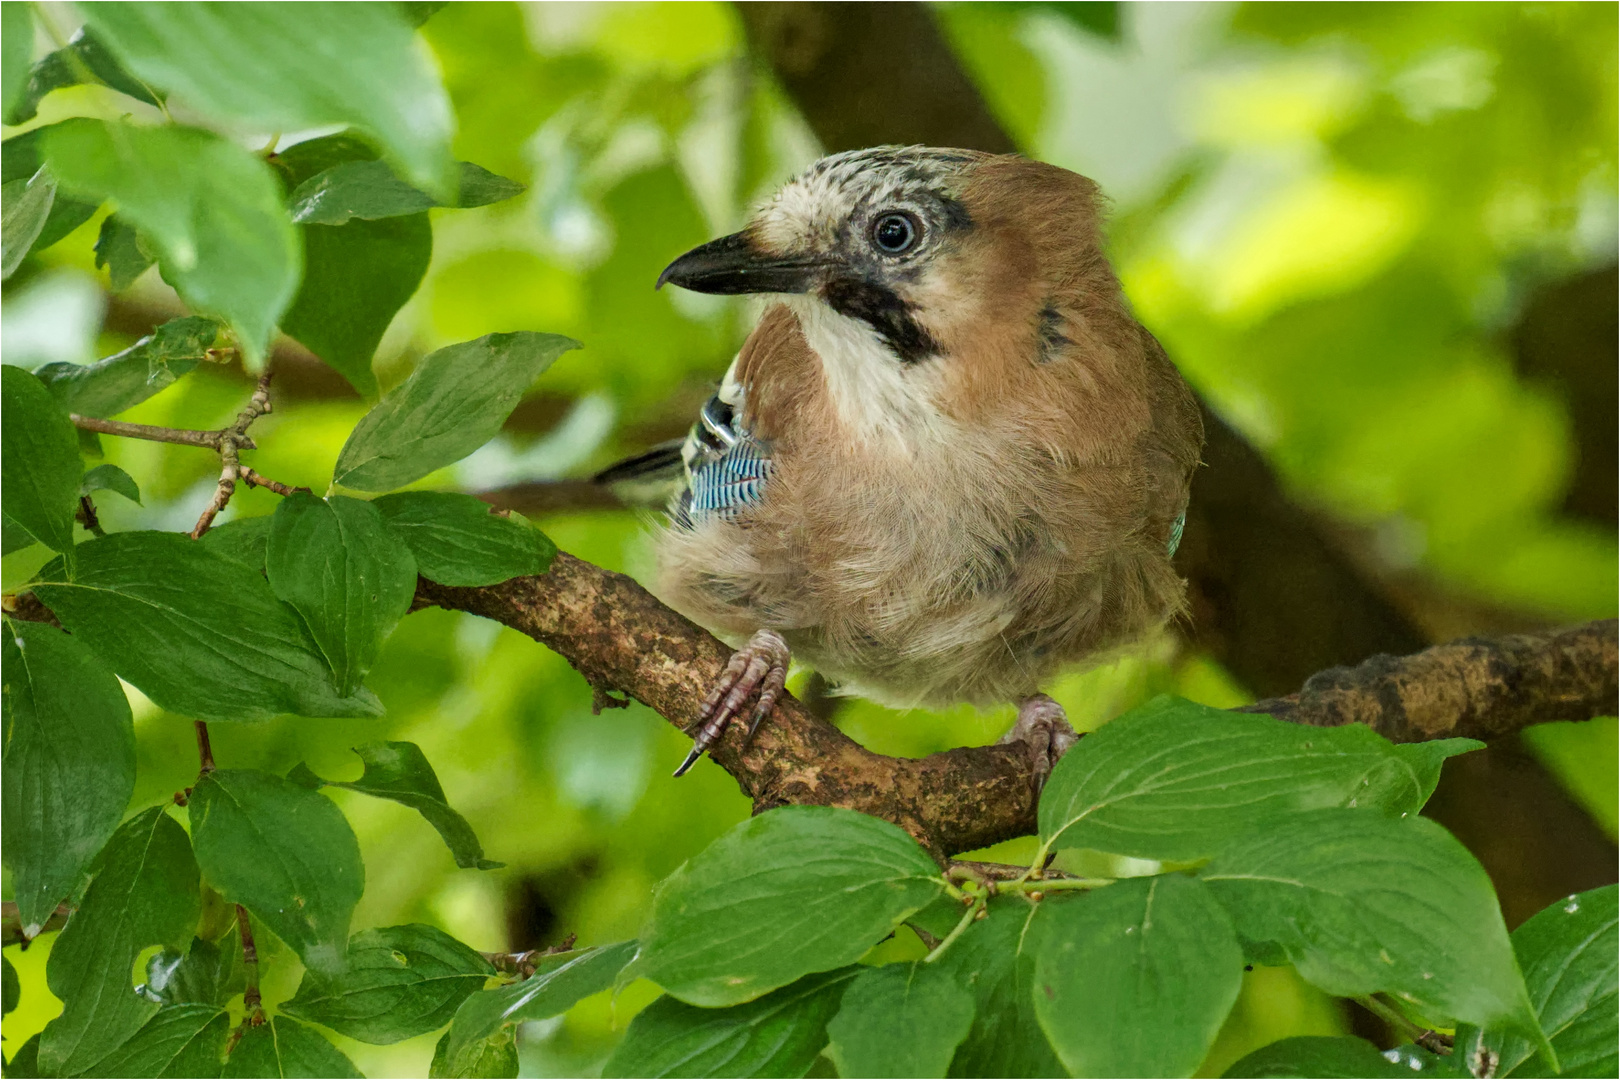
(732,264)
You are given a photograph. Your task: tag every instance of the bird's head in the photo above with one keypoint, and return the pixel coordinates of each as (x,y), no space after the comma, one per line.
(902,239)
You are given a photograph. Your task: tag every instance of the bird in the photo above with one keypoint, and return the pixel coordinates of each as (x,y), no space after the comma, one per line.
(946,462)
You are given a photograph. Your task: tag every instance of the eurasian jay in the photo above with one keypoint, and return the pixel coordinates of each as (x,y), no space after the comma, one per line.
(948,460)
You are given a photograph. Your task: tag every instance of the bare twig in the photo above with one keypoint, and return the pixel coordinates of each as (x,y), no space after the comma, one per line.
(86,515)
(253,479)
(208,440)
(524,964)
(231,440)
(205,750)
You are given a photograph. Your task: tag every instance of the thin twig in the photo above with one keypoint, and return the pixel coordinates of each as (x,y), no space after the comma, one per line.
(524,964)
(251,999)
(253,479)
(86,515)
(208,440)
(205,750)
(231,440)
(1429,1039)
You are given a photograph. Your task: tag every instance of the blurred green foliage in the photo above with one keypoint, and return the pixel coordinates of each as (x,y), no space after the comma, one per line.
(1330,214)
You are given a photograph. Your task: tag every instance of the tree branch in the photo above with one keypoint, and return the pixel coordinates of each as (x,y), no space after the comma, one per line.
(623,639)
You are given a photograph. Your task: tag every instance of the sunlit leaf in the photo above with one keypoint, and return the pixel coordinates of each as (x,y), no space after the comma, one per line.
(69,763)
(144,892)
(39,460)
(458,540)
(779,1034)
(453,403)
(283,852)
(197,631)
(793,891)
(20,159)
(290,67)
(210,210)
(1136,978)
(900,1020)
(369,190)
(27,205)
(83,60)
(16,49)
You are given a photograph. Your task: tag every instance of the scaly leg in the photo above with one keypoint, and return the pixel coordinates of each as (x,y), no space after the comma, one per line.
(760,665)
(1044,729)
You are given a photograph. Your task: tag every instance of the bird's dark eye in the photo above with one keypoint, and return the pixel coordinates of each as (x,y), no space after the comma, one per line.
(894,233)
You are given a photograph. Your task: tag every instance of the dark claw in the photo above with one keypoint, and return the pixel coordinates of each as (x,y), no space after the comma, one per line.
(760,665)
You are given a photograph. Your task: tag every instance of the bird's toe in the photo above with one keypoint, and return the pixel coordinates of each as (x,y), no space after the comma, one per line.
(760,666)
(1042,727)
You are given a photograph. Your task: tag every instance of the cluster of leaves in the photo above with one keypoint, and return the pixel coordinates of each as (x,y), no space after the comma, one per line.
(1276,845)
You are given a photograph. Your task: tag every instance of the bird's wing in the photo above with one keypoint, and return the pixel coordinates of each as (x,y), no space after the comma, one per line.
(719,469)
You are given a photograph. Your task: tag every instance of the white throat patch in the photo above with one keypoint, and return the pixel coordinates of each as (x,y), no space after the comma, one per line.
(879,398)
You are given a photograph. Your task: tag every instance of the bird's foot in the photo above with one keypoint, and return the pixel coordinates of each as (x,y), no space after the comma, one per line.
(760,665)
(1043,728)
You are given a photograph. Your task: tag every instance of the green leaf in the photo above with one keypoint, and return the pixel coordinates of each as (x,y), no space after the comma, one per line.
(144,892)
(400,771)
(119,249)
(25,1061)
(199,633)
(246,540)
(401,981)
(355,281)
(83,61)
(1135,979)
(125,379)
(496,1057)
(290,67)
(792,891)
(110,478)
(558,984)
(39,460)
(453,403)
(779,1034)
(996,958)
(286,854)
(69,765)
(1319,1055)
(1363,904)
(369,190)
(179,1041)
(900,1020)
(10,987)
(210,210)
(460,540)
(16,49)
(347,575)
(20,160)
(285,1047)
(208,973)
(27,206)
(1570,955)
(1175,780)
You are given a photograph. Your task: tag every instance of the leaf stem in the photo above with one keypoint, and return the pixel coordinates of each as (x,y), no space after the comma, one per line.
(968,916)
(1429,1039)
(205,750)
(251,998)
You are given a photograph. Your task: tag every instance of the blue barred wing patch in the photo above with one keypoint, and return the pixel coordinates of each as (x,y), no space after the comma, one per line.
(726,467)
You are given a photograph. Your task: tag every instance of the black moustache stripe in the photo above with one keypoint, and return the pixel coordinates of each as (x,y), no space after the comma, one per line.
(885,313)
